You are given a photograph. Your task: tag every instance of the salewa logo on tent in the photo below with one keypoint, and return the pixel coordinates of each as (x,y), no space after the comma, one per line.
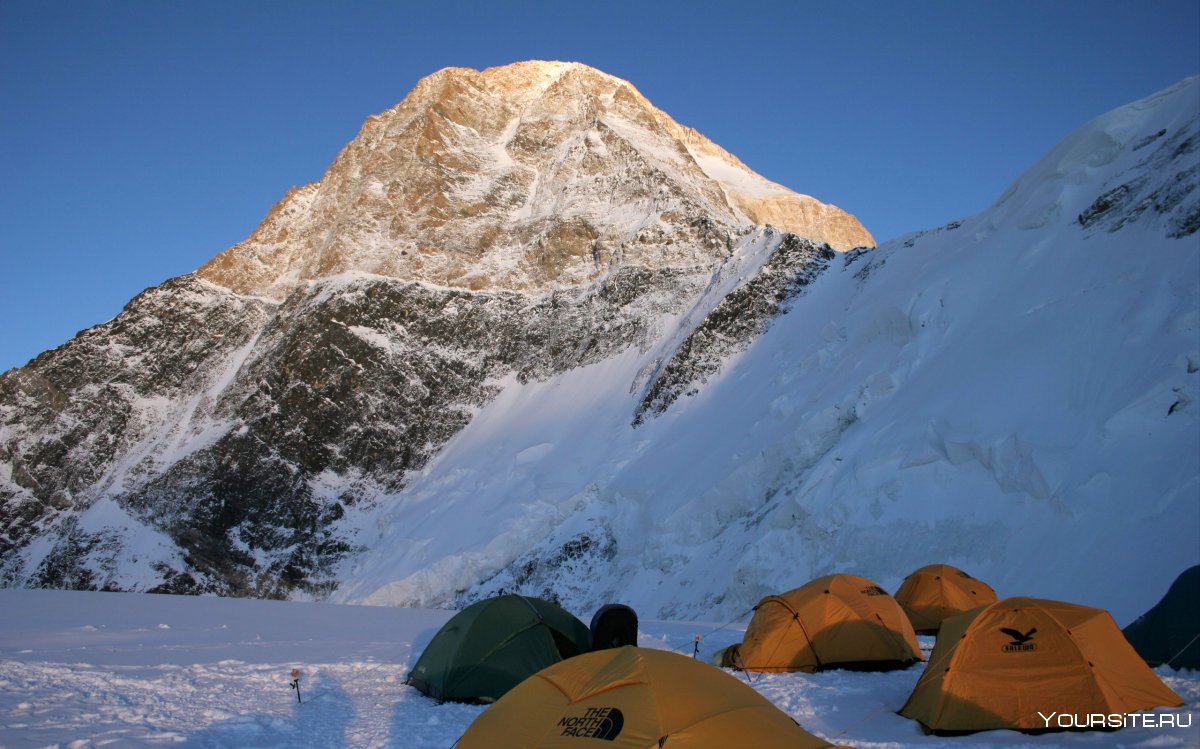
(1020,640)
(873,590)
(597,723)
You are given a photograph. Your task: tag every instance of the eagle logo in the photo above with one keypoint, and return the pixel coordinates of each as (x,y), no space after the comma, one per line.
(1017,637)
(1021,641)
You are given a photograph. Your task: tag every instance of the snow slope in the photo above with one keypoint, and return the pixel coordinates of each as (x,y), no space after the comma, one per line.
(134,670)
(1015,393)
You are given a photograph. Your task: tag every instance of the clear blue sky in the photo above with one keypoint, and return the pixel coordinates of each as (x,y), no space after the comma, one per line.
(138,139)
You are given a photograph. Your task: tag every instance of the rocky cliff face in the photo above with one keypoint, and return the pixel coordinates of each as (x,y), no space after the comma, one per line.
(229,430)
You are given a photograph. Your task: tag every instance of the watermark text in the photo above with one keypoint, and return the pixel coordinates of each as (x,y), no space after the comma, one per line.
(1117,720)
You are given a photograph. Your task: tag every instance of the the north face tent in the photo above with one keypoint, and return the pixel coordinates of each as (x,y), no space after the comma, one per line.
(492,645)
(1169,633)
(614,625)
(938,591)
(635,698)
(999,666)
(838,621)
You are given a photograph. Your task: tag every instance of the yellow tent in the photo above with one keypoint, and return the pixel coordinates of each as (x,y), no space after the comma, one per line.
(634,698)
(838,621)
(1030,664)
(938,591)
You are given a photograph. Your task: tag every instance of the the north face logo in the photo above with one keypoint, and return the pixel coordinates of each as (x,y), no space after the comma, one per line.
(1021,641)
(597,723)
(873,590)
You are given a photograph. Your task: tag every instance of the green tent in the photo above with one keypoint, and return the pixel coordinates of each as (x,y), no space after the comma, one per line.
(1170,632)
(492,645)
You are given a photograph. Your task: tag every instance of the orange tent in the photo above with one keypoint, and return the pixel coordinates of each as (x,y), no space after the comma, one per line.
(938,591)
(634,698)
(1028,664)
(838,621)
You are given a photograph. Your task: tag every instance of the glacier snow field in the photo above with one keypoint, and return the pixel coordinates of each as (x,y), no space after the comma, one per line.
(84,670)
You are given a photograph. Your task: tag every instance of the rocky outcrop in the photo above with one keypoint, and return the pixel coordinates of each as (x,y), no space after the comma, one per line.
(739,318)
(1162,184)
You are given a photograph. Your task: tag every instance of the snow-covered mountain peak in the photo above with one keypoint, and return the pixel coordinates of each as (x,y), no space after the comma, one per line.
(520,177)
(1143,157)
